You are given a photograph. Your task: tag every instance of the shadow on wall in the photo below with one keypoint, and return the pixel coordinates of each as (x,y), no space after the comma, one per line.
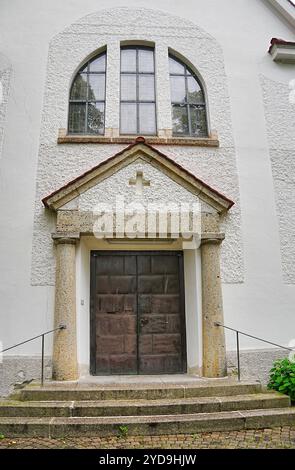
(16,371)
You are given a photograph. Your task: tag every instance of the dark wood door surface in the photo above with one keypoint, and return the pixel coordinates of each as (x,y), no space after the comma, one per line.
(137,313)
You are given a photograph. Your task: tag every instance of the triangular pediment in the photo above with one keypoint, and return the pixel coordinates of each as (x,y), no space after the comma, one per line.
(137,156)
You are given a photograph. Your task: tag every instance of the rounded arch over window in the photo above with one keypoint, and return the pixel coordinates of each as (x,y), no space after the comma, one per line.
(188,104)
(87,98)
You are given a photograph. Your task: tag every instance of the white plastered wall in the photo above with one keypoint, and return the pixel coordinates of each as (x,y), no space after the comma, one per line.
(263,303)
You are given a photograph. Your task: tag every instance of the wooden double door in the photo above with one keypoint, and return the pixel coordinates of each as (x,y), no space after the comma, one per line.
(137,313)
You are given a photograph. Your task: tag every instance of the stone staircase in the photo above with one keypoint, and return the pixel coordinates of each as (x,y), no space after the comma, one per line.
(59,410)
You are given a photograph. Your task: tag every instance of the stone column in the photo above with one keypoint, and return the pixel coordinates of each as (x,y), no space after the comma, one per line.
(64,362)
(214,352)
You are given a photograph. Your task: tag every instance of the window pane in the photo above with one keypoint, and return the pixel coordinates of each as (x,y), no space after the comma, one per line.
(79,88)
(179,120)
(96,87)
(77,118)
(195,94)
(175,67)
(178,93)
(147,118)
(145,60)
(98,65)
(198,120)
(95,120)
(146,88)
(128,87)
(128,60)
(128,118)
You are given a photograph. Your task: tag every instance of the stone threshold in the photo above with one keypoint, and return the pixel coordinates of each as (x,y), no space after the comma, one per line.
(140,381)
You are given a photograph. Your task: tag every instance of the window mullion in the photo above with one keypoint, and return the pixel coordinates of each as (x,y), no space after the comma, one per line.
(188,111)
(87,93)
(137,92)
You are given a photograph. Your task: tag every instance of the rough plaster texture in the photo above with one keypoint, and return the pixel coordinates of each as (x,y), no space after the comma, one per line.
(255,364)
(280,119)
(59,164)
(161,189)
(5,76)
(18,369)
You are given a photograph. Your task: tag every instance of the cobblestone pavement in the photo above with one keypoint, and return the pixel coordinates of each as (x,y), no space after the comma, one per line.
(276,438)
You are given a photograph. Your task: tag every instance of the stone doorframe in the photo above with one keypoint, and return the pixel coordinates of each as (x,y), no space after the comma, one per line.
(72,223)
(65,364)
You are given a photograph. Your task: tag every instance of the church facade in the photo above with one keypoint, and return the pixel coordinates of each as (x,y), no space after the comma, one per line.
(147,188)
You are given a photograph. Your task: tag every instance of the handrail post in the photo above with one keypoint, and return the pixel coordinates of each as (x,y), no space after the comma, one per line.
(42,361)
(238,356)
(249,336)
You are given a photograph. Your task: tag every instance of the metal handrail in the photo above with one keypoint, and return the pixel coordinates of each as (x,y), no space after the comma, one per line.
(239,332)
(42,335)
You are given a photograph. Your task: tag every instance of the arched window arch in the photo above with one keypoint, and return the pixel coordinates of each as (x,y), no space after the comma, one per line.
(138,100)
(87,98)
(187,101)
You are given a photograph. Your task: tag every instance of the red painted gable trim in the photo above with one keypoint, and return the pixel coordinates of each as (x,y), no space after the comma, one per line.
(280,42)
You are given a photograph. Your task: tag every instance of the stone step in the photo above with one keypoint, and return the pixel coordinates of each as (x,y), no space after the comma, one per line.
(146,425)
(76,392)
(85,408)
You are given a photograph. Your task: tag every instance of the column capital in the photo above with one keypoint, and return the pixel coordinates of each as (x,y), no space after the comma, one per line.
(65,238)
(212,238)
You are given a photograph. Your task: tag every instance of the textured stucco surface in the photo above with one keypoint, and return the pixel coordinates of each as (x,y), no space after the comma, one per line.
(280,119)
(255,364)
(161,189)
(58,164)
(5,76)
(18,369)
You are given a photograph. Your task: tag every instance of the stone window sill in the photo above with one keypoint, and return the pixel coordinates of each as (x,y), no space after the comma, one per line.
(211,141)
(282,51)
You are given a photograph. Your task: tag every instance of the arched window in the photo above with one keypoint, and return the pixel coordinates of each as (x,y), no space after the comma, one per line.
(138,101)
(187,100)
(87,98)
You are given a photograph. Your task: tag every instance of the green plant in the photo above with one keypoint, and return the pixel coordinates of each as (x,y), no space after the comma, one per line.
(123,431)
(2,436)
(282,377)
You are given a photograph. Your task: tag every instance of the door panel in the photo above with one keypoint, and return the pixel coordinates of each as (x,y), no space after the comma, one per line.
(159,295)
(115,308)
(137,313)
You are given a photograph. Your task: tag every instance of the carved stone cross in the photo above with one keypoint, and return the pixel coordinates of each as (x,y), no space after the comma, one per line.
(139,182)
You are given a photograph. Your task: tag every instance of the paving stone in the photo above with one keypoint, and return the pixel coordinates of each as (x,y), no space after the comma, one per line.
(277,438)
